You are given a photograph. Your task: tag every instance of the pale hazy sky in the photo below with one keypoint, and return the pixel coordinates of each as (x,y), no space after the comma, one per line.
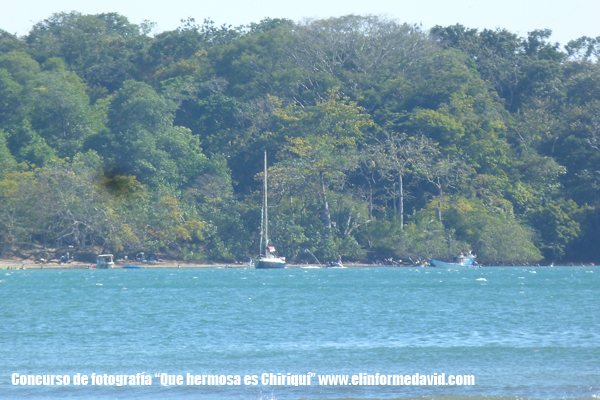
(567,19)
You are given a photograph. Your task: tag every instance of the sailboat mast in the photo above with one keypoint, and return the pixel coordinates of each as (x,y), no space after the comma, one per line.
(262,224)
(266,211)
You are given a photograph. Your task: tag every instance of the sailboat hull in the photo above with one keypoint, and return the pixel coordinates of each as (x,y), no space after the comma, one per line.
(269,263)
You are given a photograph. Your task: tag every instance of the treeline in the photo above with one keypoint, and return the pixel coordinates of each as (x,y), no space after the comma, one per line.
(384,140)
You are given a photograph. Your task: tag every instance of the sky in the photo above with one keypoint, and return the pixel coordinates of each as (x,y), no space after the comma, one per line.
(567,19)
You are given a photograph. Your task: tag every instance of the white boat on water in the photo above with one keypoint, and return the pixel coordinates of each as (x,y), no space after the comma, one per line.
(267,258)
(105,261)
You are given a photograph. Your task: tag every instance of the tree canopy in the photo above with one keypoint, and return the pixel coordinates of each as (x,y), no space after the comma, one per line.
(384,140)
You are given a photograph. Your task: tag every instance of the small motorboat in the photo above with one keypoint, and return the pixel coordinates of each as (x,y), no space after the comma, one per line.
(105,261)
(460,261)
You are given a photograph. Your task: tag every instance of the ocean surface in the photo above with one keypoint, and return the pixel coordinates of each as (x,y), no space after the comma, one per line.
(521,332)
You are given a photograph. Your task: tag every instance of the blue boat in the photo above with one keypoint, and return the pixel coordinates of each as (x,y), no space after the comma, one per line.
(334,265)
(461,261)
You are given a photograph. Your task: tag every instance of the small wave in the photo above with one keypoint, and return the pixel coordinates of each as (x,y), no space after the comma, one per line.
(481,279)
(437,397)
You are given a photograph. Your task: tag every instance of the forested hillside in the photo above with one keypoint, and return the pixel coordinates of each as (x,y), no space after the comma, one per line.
(384,140)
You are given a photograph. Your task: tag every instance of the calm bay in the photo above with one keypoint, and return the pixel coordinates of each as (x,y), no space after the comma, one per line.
(522,332)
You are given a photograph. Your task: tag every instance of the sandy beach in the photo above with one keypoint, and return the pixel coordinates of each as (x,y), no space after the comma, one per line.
(16,263)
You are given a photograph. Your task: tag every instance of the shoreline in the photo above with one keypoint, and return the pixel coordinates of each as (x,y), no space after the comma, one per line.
(16,264)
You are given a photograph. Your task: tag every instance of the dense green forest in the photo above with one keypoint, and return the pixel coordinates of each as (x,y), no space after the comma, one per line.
(384,140)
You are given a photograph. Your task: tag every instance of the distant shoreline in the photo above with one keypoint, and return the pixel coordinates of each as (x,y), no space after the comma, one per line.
(28,264)
(14,264)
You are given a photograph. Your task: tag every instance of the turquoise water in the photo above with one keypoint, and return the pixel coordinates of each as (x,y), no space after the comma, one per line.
(522,332)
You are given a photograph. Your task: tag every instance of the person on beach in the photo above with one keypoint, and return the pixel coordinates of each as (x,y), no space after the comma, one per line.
(65,258)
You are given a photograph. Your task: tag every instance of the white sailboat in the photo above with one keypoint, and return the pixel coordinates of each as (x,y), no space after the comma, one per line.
(267,257)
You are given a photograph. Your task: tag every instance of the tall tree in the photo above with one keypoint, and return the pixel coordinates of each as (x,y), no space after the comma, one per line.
(442,173)
(396,154)
(103,49)
(143,141)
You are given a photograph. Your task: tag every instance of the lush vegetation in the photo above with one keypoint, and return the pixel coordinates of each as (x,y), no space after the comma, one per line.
(384,140)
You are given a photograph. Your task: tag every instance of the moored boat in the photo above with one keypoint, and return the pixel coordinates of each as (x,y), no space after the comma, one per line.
(270,261)
(267,259)
(104,261)
(460,261)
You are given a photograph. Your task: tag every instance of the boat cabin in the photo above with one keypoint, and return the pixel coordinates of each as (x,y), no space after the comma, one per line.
(105,261)
(464,260)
